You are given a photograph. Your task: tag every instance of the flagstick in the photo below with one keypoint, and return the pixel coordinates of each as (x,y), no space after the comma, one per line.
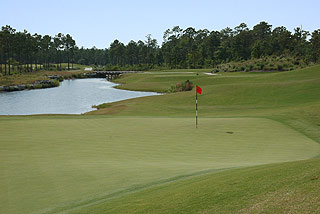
(196,102)
(196,109)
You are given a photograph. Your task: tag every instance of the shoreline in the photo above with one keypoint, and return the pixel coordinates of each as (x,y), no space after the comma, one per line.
(41,84)
(51,82)
(54,80)
(75,112)
(38,80)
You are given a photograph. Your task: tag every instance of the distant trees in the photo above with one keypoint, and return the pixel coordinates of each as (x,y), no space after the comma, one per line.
(7,46)
(192,48)
(140,54)
(46,46)
(23,52)
(181,48)
(315,45)
(69,46)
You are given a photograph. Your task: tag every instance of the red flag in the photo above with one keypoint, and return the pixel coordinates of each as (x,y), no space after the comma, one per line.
(199,90)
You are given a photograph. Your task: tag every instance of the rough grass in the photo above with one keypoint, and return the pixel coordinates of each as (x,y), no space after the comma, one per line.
(263,64)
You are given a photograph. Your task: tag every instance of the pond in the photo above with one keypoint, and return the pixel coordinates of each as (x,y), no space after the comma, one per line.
(71,97)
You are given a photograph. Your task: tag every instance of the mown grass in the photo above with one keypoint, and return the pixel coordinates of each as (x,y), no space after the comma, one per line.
(231,90)
(144,155)
(290,97)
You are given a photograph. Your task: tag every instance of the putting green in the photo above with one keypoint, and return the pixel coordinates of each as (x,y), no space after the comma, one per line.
(54,164)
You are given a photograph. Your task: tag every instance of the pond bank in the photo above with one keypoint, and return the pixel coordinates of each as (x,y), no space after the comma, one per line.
(51,81)
(48,81)
(37,85)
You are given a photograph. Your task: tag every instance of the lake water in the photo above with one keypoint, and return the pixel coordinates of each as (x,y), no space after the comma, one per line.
(71,97)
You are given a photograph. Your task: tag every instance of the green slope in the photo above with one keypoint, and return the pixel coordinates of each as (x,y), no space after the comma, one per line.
(278,188)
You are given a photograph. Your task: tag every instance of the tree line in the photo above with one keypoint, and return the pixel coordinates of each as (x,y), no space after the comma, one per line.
(27,53)
(197,49)
(181,48)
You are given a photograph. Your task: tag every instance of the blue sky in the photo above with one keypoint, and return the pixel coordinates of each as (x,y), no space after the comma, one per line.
(98,23)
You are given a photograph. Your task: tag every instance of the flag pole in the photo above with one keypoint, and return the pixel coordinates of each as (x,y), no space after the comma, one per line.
(197,101)
(196,109)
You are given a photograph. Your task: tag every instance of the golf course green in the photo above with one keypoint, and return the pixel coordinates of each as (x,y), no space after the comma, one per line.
(257,140)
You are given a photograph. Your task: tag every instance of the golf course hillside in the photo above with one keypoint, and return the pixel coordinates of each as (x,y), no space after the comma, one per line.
(256,149)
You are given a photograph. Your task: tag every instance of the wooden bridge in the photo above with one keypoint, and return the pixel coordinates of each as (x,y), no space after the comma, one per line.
(111,74)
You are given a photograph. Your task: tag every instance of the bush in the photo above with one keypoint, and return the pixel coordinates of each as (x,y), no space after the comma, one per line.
(280,67)
(263,63)
(187,86)
(37,86)
(55,83)
(104,105)
(181,86)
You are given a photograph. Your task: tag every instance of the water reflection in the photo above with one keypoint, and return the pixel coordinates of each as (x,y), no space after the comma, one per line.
(71,97)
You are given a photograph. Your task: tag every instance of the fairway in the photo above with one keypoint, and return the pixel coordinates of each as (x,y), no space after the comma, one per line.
(52,164)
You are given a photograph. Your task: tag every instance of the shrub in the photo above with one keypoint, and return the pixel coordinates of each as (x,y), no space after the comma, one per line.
(104,105)
(263,63)
(181,86)
(172,89)
(37,86)
(187,86)
(55,83)
(280,67)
